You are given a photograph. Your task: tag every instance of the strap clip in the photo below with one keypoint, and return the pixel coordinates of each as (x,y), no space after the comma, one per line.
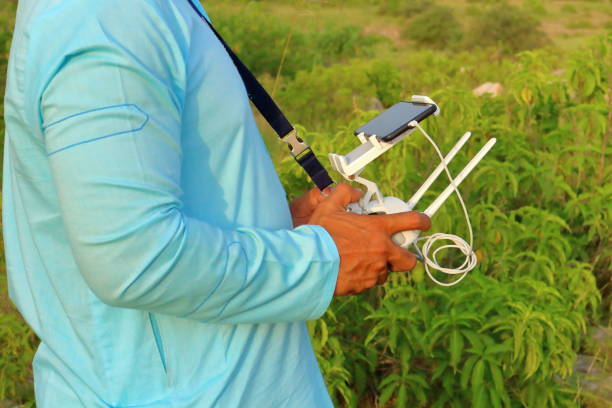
(297,145)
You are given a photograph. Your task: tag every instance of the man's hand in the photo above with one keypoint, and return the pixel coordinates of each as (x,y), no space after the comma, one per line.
(303,207)
(363,241)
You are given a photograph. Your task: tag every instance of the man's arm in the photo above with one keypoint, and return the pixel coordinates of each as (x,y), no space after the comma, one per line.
(112,127)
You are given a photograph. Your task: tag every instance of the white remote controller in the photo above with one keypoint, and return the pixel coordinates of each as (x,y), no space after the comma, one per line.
(377,204)
(373,202)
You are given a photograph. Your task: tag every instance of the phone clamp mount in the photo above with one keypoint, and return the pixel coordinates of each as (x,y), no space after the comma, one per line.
(350,166)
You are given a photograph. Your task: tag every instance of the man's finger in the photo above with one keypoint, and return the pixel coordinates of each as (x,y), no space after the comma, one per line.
(400,259)
(411,220)
(315,196)
(343,195)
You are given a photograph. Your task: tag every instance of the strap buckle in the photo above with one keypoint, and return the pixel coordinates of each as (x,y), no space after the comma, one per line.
(297,145)
(303,154)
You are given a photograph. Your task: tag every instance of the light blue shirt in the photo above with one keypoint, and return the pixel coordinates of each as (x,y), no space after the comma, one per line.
(148,238)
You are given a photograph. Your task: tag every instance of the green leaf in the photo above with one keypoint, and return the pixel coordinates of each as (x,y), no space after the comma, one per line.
(506,399)
(456,347)
(498,378)
(589,84)
(417,379)
(360,377)
(393,335)
(380,326)
(495,399)
(532,360)
(324,333)
(439,370)
(498,348)
(388,380)
(387,393)
(421,396)
(479,397)
(448,382)
(402,398)
(518,339)
(478,374)
(473,337)
(467,371)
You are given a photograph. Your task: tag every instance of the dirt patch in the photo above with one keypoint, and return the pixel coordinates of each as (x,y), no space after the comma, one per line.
(389,31)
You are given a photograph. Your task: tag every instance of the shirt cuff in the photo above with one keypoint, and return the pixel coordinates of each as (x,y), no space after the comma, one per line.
(330,271)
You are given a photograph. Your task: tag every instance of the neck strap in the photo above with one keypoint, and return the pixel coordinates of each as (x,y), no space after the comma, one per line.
(264,103)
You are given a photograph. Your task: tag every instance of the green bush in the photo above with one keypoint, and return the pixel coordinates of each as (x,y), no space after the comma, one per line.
(268,45)
(506,27)
(336,43)
(325,96)
(387,81)
(510,333)
(568,8)
(437,28)
(536,7)
(261,43)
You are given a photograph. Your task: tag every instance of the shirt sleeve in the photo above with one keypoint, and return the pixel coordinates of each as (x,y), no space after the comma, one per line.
(111,120)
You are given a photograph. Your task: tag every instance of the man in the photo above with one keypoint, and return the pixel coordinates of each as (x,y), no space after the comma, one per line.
(148,240)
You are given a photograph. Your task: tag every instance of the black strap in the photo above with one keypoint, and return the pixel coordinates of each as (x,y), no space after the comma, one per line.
(275,117)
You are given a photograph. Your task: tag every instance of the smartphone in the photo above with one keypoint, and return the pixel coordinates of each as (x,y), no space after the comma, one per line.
(394,121)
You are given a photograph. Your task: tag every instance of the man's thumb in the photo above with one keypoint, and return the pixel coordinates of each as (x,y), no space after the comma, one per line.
(410,220)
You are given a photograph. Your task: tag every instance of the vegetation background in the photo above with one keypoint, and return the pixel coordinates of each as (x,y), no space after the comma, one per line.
(531,325)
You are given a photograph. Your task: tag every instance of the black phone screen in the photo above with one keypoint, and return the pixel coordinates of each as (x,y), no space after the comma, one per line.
(394,121)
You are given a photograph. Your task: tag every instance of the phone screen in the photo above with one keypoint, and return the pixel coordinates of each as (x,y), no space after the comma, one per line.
(394,121)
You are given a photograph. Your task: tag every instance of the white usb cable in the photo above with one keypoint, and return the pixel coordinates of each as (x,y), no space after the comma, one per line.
(456,242)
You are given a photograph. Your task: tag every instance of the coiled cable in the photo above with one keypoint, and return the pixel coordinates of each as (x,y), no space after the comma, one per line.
(430,259)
